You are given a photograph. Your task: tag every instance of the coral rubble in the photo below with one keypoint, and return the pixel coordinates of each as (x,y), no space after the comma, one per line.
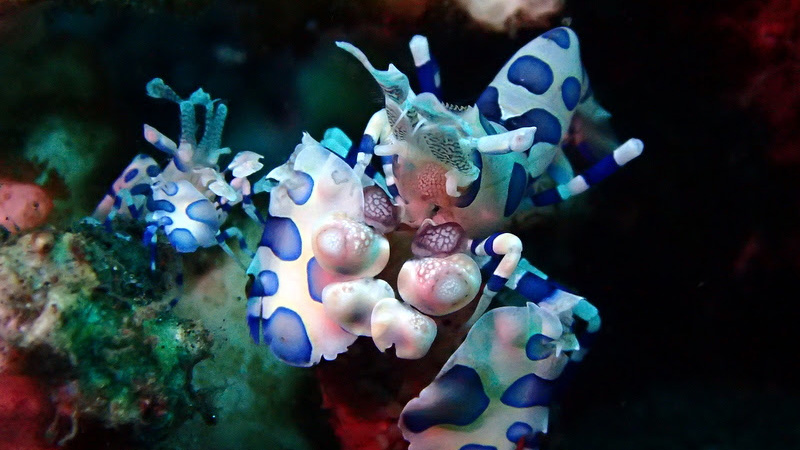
(509,15)
(84,312)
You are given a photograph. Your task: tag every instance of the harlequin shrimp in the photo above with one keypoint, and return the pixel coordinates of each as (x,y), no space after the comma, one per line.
(457,176)
(190,198)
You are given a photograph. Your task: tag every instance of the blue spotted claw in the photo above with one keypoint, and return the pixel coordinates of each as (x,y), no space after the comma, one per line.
(494,392)
(285,309)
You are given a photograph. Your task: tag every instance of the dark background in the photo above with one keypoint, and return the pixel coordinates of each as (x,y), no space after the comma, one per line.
(690,252)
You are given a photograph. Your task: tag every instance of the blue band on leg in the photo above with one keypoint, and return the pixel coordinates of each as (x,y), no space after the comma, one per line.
(548,197)
(601,170)
(488,246)
(427,74)
(534,288)
(496,283)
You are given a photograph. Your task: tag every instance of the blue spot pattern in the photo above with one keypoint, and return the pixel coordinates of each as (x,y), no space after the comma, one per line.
(531,73)
(558,35)
(164,221)
(141,189)
(517,431)
(516,189)
(461,400)
(488,104)
(183,240)
(286,335)
(160,205)
(265,284)
(203,211)
(152,170)
(283,238)
(529,390)
(539,347)
(548,128)
(301,192)
(171,188)
(315,274)
(131,175)
(478,447)
(571,92)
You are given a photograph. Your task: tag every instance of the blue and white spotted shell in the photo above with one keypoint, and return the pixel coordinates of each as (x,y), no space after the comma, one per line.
(496,389)
(136,179)
(189,219)
(540,86)
(284,306)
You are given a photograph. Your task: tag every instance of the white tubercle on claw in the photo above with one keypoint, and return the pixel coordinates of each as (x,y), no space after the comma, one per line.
(350,303)
(349,247)
(396,323)
(439,286)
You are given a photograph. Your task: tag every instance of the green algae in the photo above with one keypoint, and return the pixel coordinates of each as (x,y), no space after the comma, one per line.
(131,370)
(87,299)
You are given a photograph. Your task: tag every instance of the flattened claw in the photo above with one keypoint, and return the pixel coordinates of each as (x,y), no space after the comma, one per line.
(396,323)
(350,303)
(439,286)
(347,247)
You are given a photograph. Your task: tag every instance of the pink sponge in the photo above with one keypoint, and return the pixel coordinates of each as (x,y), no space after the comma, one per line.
(23,205)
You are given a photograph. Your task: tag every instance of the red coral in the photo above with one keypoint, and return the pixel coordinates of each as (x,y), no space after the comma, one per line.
(23,205)
(772,30)
(25,413)
(366,390)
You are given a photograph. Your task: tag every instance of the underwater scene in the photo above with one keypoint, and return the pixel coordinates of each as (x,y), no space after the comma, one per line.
(399,224)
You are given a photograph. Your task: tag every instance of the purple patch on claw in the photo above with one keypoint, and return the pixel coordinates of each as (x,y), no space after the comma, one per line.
(438,240)
(379,212)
